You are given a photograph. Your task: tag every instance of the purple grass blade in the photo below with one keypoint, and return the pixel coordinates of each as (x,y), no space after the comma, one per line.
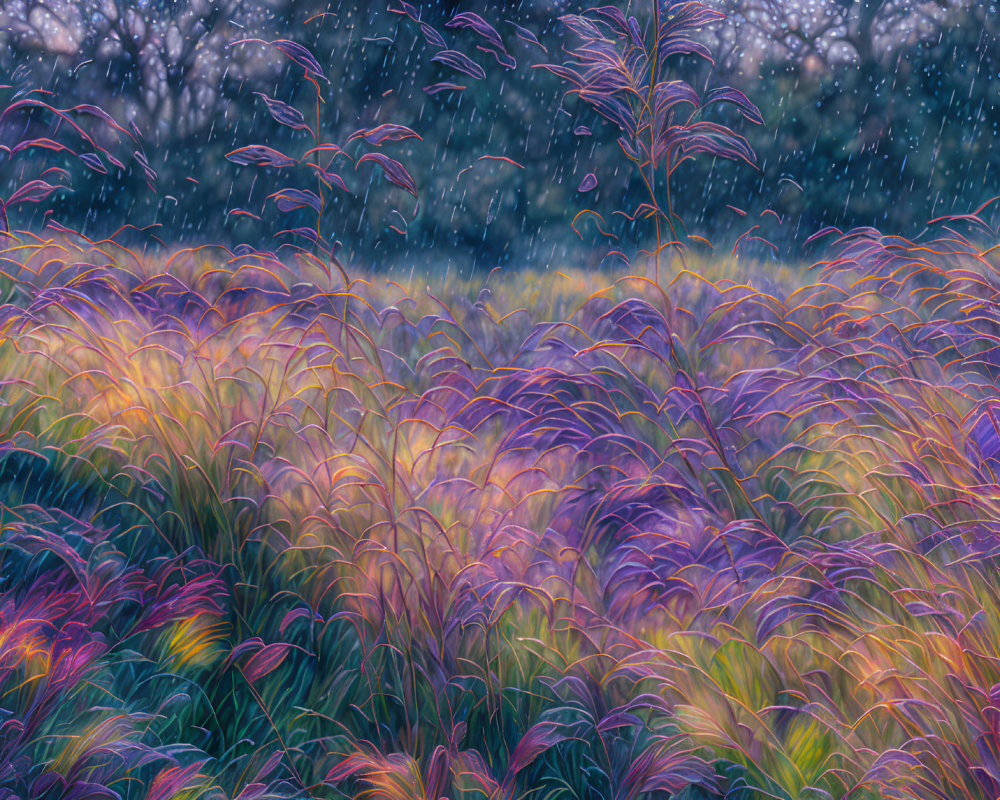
(387,132)
(468,19)
(291,199)
(433,37)
(394,172)
(284,113)
(33,192)
(444,86)
(460,62)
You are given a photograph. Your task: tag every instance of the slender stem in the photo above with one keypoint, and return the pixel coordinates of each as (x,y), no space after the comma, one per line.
(319,176)
(656,49)
(658,248)
(670,206)
(653,75)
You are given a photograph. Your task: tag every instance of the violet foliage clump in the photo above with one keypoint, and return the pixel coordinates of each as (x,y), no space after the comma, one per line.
(622,67)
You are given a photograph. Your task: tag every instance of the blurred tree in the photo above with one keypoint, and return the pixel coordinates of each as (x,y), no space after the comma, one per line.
(903,136)
(877,108)
(159,63)
(824,32)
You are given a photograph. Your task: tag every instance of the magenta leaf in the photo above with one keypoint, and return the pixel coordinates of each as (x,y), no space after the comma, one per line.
(351,765)
(394,171)
(665,768)
(242,212)
(443,86)
(101,114)
(460,62)
(438,773)
(173,780)
(305,233)
(432,36)
(260,155)
(387,132)
(527,36)
(330,149)
(47,144)
(269,766)
(284,113)
(503,58)
(295,613)
(300,55)
(616,17)
(291,199)
(61,113)
(726,94)
(536,740)
(467,19)
(588,183)
(293,50)
(89,790)
(33,192)
(331,178)
(252,791)
(618,719)
(406,9)
(174,594)
(44,782)
(93,161)
(265,660)
(58,172)
(252,643)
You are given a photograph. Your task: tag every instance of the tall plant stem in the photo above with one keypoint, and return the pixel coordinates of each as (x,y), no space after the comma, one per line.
(319,173)
(653,74)
(670,208)
(656,50)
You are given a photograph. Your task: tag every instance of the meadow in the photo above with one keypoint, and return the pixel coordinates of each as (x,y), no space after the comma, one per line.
(575,534)
(701,524)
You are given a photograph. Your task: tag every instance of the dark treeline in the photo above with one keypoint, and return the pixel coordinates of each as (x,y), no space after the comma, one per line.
(876,113)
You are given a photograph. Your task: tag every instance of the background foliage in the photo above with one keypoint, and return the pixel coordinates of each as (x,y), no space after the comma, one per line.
(878,109)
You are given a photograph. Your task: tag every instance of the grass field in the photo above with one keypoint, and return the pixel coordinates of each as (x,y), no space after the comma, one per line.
(267,533)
